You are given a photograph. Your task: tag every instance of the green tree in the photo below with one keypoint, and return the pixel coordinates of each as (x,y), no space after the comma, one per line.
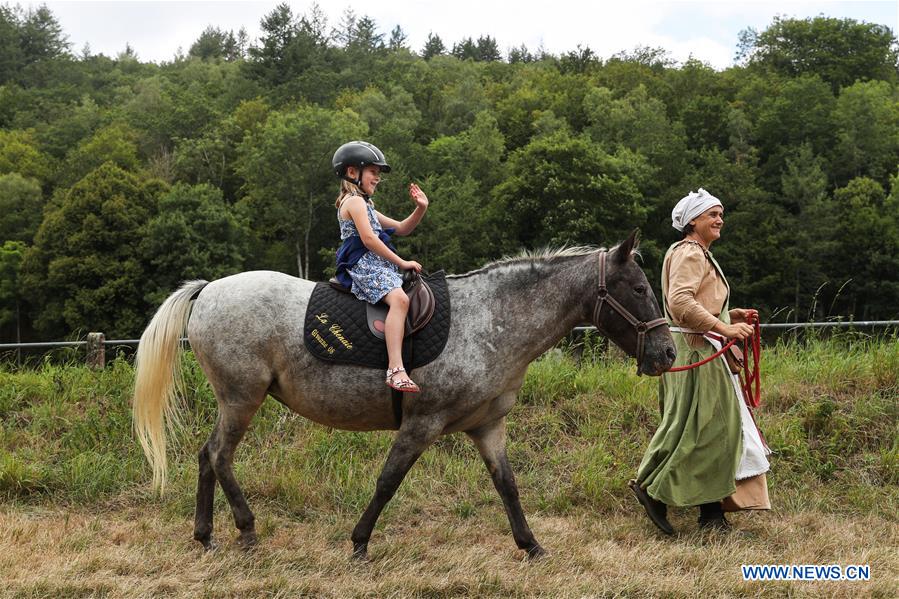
(562,189)
(864,250)
(19,153)
(398,39)
(290,187)
(433,47)
(578,61)
(270,60)
(11,57)
(75,124)
(867,119)
(487,50)
(195,234)
(461,101)
(115,143)
(477,152)
(21,203)
(639,123)
(215,43)
(392,118)
(799,112)
(11,297)
(840,51)
(484,49)
(460,231)
(756,229)
(28,40)
(537,88)
(804,196)
(521,54)
(84,271)
(366,38)
(212,158)
(296,57)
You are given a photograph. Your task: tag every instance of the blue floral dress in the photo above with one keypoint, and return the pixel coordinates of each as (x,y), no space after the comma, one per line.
(372,276)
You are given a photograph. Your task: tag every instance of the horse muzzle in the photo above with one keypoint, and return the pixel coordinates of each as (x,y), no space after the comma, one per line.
(656,363)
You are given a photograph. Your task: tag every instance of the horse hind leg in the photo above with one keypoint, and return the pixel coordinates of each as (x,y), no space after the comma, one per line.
(490,440)
(235,412)
(205,496)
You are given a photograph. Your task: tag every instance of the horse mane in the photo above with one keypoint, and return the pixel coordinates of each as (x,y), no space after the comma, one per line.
(541,255)
(546,255)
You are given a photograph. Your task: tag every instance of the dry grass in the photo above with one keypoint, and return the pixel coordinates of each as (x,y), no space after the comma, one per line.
(130,552)
(77,518)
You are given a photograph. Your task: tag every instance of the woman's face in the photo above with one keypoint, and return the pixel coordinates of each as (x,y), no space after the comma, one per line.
(707,226)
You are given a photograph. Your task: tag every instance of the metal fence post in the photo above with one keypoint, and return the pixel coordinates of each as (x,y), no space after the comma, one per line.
(96,350)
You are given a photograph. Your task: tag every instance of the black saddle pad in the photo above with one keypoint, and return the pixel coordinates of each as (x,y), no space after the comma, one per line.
(336,329)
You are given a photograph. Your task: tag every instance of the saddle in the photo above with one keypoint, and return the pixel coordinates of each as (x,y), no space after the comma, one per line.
(340,328)
(421,305)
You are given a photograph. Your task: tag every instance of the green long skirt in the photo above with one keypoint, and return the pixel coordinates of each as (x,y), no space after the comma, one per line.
(694,454)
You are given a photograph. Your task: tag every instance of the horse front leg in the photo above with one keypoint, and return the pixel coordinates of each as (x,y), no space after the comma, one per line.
(490,440)
(414,436)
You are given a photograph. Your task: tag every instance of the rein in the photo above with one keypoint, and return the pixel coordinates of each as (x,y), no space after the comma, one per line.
(604,298)
(750,379)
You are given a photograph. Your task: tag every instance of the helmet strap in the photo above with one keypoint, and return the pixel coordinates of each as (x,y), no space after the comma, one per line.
(356,182)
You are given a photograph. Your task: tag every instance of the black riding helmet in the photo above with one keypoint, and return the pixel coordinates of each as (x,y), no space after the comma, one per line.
(359,154)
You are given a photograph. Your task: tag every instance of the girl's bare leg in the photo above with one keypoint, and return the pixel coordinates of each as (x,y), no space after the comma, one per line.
(394,327)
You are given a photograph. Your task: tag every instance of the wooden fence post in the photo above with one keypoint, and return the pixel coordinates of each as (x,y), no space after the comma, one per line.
(96,350)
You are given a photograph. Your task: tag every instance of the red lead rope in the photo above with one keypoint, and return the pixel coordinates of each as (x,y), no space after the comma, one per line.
(750,375)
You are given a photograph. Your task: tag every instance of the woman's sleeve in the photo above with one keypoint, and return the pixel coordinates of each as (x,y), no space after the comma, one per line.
(687,268)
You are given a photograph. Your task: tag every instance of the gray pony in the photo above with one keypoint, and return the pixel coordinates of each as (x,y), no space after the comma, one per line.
(246,331)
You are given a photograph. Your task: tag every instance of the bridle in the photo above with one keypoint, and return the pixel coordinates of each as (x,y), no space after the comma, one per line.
(604,298)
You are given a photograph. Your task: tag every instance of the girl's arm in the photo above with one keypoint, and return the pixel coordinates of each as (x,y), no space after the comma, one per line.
(407,225)
(355,206)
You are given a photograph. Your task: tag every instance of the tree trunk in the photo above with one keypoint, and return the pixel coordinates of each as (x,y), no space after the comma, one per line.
(308,230)
(299,259)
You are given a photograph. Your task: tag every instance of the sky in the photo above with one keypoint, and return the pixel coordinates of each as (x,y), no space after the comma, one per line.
(707,31)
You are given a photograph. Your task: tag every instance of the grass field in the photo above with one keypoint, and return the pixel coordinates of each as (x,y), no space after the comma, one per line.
(77,517)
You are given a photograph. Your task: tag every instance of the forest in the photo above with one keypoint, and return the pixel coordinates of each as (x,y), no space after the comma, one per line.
(121,178)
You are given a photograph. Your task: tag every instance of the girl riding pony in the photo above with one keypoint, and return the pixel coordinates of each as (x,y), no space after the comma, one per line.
(367,262)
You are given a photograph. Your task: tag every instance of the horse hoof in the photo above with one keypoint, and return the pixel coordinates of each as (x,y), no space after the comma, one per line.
(536,552)
(360,552)
(209,544)
(247,540)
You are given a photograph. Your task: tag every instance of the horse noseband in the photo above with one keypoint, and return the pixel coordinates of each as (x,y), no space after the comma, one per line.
(603,298)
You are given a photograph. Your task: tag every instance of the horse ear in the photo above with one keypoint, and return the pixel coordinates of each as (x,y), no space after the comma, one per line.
(627,247)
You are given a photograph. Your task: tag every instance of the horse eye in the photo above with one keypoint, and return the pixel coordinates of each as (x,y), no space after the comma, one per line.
(640,290)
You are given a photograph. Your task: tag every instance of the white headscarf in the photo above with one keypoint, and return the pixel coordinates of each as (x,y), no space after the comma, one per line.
(692,206)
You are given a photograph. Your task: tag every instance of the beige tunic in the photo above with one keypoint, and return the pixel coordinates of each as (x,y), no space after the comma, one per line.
(693,289)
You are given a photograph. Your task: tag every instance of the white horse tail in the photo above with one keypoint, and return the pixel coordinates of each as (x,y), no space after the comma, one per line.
(158,377)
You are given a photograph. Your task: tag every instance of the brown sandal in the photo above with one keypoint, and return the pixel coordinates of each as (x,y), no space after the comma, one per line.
(406,386)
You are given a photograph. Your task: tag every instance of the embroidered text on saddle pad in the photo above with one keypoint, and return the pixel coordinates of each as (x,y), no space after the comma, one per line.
(336,329)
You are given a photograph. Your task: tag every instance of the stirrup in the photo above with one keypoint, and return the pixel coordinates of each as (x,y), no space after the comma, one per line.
(407,386)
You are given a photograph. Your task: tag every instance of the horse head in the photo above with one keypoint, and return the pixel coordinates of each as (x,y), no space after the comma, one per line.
(626,310)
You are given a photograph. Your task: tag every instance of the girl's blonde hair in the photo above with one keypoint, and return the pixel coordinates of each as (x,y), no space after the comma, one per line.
(348,189)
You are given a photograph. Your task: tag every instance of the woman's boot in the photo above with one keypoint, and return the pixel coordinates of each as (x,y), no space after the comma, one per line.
(711,516)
